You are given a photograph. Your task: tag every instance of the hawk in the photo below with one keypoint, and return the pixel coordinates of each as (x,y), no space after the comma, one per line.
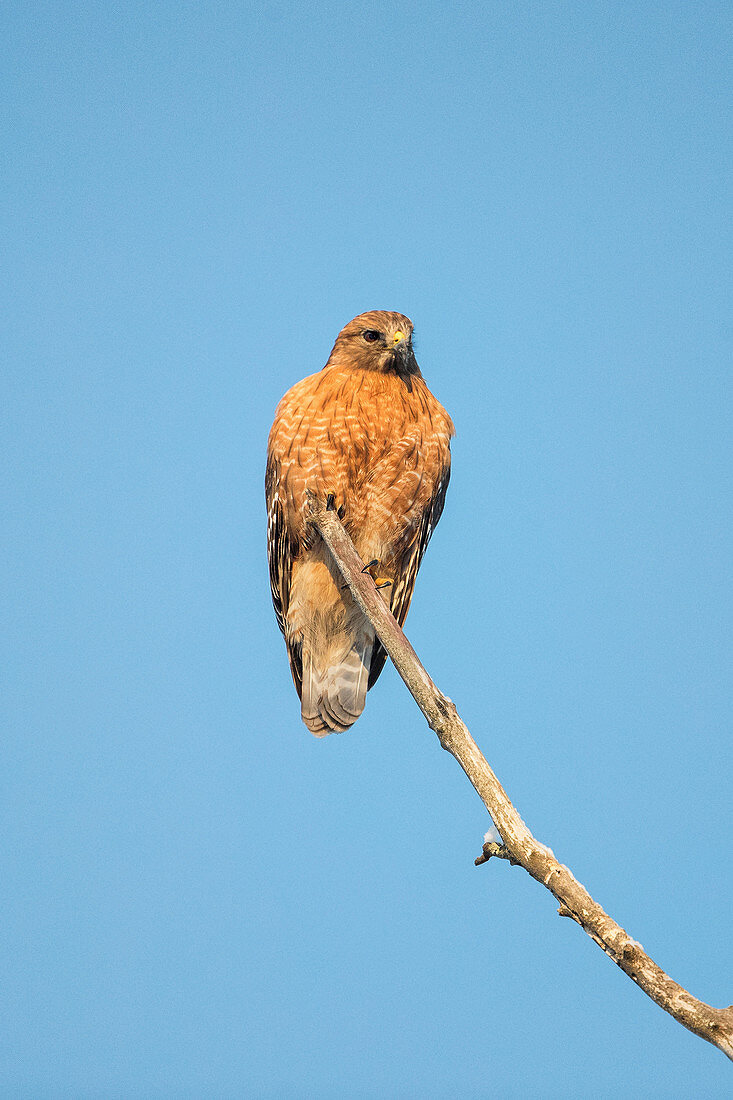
(367,432)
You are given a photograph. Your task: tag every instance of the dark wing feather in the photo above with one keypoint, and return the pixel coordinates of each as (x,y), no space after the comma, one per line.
(280,555)
(404,583)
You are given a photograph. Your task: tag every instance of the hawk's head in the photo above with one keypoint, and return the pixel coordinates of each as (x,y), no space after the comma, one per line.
(379,341)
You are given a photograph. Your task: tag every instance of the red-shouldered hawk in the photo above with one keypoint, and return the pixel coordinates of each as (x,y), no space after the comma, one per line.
(367,431)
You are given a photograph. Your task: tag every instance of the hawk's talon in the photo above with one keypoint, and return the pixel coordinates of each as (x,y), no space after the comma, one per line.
(341,512)
(380,582)
(330,502)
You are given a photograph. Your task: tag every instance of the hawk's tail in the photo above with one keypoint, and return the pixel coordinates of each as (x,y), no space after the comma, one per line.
(335,684)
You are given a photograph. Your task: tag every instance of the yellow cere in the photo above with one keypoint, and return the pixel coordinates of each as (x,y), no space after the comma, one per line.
(399,335)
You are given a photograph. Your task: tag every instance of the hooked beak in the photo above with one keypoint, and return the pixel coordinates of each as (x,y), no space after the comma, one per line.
(401,346)
(401,357)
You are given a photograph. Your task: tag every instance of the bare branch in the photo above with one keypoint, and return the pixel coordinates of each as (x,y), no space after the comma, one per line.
(519,846)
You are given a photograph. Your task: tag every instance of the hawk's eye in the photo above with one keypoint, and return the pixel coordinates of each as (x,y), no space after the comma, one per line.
(370,335)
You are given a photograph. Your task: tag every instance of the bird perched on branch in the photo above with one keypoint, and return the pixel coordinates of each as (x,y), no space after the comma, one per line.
(366,435)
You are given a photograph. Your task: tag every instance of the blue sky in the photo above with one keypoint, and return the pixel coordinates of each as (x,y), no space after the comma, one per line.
(200,899)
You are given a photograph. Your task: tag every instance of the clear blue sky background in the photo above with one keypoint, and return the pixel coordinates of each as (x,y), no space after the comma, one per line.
(199,898)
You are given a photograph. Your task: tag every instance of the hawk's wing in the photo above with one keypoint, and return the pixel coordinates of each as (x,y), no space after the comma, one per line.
(408,566)
(281,552)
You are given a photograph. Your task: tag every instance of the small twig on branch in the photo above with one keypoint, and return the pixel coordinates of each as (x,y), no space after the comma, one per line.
(519,846)
(491,848)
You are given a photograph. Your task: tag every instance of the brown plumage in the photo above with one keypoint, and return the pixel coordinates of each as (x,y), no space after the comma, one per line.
(366,429)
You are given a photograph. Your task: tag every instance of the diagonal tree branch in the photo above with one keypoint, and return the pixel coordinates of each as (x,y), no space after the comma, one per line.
(519,846)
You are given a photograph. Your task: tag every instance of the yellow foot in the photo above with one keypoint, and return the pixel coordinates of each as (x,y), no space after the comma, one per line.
(380,582)
(331,506)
